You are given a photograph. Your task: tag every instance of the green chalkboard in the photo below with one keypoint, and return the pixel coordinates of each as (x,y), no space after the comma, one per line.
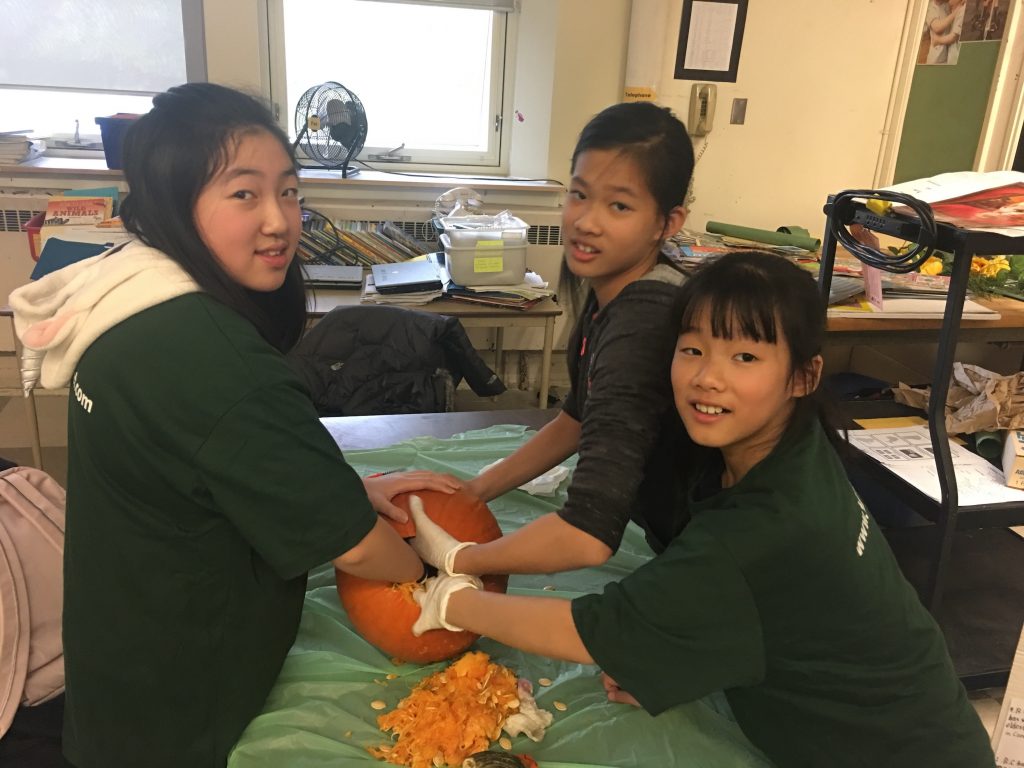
(945,113)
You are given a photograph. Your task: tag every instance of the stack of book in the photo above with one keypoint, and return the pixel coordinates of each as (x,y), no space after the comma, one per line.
(361,244)
(15,148)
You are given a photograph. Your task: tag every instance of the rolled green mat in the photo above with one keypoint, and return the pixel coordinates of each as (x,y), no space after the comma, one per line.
(784,236)
(988,444)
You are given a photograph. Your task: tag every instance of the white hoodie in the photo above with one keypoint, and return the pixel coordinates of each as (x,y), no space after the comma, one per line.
(58,316)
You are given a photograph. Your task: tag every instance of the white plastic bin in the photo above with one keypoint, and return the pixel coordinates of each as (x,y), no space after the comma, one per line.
(486,260)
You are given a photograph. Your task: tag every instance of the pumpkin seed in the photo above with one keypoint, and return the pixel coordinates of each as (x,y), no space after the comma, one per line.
(560,706)
(378,704)
(545,681)
(505,742)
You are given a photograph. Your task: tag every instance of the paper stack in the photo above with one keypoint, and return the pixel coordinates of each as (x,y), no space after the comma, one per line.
(16,149)
(523,296)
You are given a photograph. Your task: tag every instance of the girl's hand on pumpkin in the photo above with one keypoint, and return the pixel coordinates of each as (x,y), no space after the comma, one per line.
(433,601)
(433,543)
(383,488)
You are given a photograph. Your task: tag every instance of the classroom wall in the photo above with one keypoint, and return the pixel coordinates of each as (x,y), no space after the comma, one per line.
(235,52)
(946,112)
(817,76)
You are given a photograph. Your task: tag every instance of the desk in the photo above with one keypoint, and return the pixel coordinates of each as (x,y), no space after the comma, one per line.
(543,315)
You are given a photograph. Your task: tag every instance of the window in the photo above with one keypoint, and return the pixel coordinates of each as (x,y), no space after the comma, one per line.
(76,60)
(431,74)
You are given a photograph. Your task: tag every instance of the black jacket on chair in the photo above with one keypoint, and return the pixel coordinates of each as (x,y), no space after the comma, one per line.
(374,359)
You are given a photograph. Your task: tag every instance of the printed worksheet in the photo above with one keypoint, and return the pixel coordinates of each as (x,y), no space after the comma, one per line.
(907,451)
(1008,740)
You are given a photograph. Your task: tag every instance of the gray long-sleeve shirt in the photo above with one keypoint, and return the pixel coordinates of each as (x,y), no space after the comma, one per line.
(619,364)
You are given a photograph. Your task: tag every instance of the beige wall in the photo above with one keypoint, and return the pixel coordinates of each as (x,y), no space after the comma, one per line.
(590,65)
(817,85)
(235,49)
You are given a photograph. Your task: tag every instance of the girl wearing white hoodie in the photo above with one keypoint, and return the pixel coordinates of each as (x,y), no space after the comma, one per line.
(201,485)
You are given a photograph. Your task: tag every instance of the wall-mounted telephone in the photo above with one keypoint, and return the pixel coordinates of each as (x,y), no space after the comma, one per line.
(702,108)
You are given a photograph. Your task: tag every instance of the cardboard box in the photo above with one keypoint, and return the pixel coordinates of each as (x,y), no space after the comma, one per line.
(1013,458)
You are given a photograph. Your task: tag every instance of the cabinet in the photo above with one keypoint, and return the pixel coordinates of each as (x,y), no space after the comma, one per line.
(968,568)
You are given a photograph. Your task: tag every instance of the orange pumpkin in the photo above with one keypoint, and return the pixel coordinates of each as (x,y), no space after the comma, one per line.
(383,613)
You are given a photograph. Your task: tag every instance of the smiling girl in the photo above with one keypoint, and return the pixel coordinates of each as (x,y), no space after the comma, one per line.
(201,485)
(630,171)
(781,591)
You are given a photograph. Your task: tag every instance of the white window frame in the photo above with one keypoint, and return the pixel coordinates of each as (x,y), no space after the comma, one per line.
(495,160)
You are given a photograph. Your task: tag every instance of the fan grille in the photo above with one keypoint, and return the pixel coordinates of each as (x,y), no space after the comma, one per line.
(330,122)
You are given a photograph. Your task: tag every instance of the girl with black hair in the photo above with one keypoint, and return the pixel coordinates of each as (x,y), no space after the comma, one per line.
(630,171)
(781,590)
(201,484)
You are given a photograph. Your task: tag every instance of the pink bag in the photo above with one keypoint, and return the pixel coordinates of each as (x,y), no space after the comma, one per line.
(31,590)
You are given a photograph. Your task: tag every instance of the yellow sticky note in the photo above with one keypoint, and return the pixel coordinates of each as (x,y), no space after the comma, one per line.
(488,264)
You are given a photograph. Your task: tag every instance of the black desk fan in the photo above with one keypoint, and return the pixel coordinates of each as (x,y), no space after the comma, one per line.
(330,124)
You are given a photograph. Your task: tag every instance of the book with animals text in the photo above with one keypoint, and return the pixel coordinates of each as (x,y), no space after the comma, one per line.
(78,219)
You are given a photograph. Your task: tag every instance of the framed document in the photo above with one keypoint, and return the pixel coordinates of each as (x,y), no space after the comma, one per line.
(710,37)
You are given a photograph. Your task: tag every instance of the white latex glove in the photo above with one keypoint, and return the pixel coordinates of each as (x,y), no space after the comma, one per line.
(433,543)
(433,601)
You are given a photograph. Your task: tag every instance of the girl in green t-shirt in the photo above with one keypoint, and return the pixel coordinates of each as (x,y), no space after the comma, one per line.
(202,487)
(781,591)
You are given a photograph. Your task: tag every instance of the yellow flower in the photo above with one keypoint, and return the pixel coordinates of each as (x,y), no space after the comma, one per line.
(933,266)
(996,265)
(989,267)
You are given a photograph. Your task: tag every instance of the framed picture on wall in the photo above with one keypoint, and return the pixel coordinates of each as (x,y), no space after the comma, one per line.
(710,38)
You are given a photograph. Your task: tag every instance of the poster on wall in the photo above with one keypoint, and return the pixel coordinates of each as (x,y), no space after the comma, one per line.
(985,20)
(943,29)
(710,37)
(948,23)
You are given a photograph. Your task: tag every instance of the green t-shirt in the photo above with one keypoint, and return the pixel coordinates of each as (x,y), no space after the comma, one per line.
(201,489)
(783,592)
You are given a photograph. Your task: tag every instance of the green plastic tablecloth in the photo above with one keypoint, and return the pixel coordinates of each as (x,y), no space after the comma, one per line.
(318,714)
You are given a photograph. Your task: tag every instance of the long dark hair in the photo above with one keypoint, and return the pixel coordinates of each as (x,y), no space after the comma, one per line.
(656,141)
(170,154)
(762,296)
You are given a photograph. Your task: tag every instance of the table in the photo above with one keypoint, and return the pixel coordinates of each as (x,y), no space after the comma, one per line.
(322,712)
(357,433)
(543,315)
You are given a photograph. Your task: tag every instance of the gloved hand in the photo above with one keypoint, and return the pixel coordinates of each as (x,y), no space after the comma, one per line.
(433,543)
(433,601)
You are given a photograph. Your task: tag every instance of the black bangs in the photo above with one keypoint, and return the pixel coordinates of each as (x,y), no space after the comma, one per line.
(737,302)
